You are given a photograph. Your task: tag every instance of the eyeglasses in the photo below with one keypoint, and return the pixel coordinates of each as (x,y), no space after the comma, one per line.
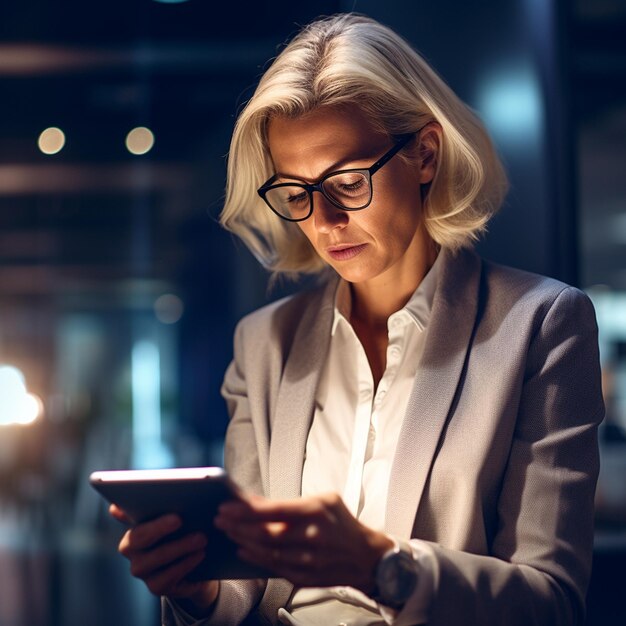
(350,190)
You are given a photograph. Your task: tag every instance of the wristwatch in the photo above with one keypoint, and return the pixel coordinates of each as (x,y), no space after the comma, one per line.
(396,578)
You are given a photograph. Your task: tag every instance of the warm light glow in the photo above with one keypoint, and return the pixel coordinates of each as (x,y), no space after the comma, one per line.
(51,140)
(17,405)
(168,308)
(140,140)
(30,409)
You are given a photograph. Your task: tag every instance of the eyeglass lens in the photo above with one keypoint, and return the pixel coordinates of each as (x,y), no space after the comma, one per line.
(349,190)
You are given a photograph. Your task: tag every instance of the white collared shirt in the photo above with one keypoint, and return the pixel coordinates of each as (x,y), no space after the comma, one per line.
(350,449)
(352,443)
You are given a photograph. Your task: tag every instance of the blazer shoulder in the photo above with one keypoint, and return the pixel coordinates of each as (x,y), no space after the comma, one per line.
(283,316)
(510,285)
(530,301)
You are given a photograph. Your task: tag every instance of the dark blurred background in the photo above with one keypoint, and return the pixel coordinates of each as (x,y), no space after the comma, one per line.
(119,292)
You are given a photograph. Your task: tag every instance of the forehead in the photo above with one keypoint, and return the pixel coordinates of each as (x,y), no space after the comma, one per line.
(310,145)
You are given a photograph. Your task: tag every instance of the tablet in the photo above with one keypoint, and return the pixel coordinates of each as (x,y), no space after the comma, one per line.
(194,494)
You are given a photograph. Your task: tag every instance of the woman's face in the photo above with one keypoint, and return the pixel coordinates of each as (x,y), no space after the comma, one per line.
(387,240)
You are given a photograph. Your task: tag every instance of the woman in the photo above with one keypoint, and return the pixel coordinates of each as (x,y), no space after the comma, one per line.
(417,437)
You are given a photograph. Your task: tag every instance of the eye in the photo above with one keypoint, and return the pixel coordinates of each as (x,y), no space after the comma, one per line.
(347,185)
(295,198)
(351,187)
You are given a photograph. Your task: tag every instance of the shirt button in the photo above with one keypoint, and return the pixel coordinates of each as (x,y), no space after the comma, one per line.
(394,351)
(396,322)
(365,395)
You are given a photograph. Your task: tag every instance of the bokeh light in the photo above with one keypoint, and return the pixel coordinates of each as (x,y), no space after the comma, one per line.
(140,140)
(17,406)
(51,140)
(510,103)
(168,308)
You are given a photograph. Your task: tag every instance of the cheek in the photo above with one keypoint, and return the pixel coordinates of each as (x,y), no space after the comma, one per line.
(399,235)
(307,230)
(399,198)
(396,217)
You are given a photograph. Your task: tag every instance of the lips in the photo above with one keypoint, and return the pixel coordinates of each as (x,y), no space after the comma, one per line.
(345,251)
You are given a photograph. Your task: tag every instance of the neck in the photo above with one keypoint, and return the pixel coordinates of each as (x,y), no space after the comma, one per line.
(375,300)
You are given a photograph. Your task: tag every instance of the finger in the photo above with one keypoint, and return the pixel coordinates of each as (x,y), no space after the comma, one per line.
(144,564)
(285,555)
(147,534)
(119,514)
(262,509)
(265,510)
(287,563)
(309,535)
(267,559)
(170,581)
(305,568)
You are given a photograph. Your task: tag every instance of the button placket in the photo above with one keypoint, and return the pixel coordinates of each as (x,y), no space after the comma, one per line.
(395,351)
(360,436)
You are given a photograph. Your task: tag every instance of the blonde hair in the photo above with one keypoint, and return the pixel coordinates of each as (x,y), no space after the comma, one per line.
(350,59)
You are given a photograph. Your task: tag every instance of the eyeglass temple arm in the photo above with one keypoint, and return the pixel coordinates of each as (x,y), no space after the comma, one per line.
(386,157)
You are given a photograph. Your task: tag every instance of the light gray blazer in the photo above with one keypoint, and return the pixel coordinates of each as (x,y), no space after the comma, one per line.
(497,458)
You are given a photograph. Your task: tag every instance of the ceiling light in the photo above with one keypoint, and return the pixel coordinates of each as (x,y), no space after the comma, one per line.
(140,140)
(51,140)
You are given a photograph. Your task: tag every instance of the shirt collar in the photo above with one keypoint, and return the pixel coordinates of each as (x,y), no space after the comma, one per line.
(418,307)
(343,304)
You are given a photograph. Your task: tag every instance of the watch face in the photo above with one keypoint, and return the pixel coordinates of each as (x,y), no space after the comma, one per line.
(396,577)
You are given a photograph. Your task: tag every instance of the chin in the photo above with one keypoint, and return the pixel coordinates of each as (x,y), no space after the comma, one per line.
(354,274)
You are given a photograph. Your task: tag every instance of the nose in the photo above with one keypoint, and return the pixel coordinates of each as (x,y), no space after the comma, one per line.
(326,216)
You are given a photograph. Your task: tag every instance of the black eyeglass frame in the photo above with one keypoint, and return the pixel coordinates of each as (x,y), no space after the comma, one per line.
(318,186)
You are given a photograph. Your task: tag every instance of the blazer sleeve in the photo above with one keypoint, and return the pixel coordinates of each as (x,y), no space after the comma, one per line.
(540,560)
(237,598)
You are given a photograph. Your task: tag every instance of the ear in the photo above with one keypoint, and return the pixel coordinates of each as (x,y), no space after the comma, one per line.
(428,150)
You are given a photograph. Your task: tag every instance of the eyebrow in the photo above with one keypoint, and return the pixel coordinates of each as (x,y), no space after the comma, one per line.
(335,167)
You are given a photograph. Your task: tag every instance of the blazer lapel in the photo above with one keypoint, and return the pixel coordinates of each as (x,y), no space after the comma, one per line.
(296,396)
(294,412)
(445,347)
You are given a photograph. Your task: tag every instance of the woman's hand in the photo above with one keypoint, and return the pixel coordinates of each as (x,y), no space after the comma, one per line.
(163,565)
(313,541)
